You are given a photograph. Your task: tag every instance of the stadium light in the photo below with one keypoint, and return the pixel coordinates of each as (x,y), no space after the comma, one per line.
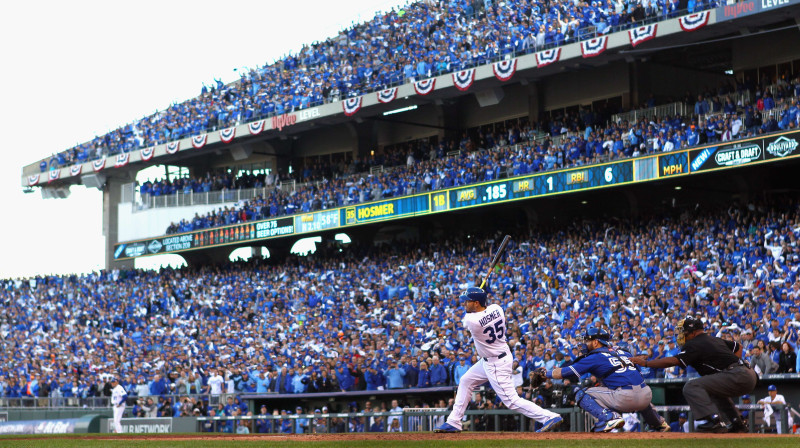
(678,187)
(402,109)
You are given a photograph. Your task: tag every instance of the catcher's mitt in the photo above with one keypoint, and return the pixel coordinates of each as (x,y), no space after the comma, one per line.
(539,377)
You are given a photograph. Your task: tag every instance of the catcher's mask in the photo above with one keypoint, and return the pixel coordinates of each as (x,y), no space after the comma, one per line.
(685,326)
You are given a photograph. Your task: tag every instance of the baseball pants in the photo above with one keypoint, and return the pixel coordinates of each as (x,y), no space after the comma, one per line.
(498,373)
(634,399)
(711,394)
(119,411)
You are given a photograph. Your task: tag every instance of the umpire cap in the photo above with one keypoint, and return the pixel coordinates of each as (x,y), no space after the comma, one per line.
(473,294)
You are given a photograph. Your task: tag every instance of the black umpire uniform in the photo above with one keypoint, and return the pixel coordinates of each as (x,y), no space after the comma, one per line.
(723,374)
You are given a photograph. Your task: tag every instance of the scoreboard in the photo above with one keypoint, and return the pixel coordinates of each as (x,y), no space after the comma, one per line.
(539,185)
(723,155)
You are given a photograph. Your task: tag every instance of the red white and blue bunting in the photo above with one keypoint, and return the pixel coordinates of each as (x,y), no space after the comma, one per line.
(594,47)
(425,86)
(504,70)
(99,164)
(33,179)
(148,153)
(198,141)
(548,57)
(463,80)
(387,96)
(173,147)
(53,175)
(351,106)
(122,160)
(256,127)
(75,170)
(694,22)
(642,34)
(227,135)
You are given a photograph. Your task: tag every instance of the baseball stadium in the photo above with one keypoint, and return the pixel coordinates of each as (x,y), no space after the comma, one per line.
(449,223)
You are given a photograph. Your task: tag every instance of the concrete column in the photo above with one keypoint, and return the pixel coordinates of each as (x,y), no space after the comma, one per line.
(112,196)
(448,116)
(535,101)
(365,137)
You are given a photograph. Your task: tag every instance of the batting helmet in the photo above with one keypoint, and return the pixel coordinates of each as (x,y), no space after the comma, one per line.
(474,294)
(686,326)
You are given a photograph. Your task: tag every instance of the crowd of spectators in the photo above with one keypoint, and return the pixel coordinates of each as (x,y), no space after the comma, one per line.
(422,39)
(512,151)
(372,318)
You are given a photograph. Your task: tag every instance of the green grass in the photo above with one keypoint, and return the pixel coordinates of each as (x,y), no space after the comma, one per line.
(56,442)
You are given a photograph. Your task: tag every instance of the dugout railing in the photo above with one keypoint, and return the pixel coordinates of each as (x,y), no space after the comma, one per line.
(426,419)
(410,420)
(756,421)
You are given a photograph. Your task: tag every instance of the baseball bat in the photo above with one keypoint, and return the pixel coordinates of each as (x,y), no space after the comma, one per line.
(496,259)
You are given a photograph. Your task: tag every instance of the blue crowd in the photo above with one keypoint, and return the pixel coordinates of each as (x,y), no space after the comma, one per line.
(414,42)
(388,318)
(509,151)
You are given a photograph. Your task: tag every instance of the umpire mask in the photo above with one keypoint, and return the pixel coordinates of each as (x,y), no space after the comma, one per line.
(681,336)
(686,326)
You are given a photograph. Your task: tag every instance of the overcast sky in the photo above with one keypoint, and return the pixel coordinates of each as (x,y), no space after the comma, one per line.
(73,70)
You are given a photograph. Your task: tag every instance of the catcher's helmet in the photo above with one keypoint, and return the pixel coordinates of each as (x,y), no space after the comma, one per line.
(474,293)
(685,326)
(593,334)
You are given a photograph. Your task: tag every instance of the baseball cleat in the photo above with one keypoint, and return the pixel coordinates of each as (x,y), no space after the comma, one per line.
(737,425)
(447,428)
(609,425)
(550,424)
(714,425)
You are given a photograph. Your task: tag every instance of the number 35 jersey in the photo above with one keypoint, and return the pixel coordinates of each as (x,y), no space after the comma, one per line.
(613,368)
(488,329)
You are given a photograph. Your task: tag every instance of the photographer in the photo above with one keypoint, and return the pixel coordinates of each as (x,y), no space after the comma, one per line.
(149,408)
(481,422)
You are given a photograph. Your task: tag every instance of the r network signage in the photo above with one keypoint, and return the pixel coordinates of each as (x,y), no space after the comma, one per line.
(144,425)
(750,7)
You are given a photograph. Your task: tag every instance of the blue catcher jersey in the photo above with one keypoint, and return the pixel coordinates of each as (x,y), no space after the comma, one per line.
(612,368)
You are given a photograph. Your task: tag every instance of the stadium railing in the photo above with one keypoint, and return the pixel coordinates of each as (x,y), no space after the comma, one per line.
(59,402)
(426,419)
(671,109)
(411,419)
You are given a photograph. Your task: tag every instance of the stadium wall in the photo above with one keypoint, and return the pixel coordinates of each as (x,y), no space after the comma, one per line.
(152,223)
(758,51)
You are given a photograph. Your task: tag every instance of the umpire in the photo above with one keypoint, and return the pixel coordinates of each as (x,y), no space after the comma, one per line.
(723,375)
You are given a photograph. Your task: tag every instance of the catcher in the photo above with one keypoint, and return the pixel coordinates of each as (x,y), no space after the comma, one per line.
(623,387)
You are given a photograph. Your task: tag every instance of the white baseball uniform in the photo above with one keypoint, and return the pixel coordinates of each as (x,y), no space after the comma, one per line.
(777,400)
(488,329)
(118,395)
